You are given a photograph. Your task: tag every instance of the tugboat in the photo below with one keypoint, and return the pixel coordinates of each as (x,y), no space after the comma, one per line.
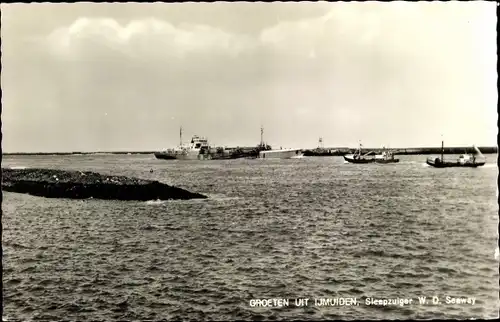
(464,160)
(384,157)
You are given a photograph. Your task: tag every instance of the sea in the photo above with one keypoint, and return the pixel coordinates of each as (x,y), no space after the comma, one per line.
(271,234)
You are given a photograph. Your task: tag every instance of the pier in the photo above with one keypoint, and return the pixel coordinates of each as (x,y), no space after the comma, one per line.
(399,151)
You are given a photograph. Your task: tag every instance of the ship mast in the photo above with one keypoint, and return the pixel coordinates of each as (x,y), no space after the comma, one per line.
(261,136)
(180,136)
(442,150)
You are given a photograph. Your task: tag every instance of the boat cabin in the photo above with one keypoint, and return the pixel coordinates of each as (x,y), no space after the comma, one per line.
(466,158)
(198,142)
(385,155)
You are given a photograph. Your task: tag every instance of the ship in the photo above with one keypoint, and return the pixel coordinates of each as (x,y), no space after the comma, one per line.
(385,157)
(224,153)
(200,149)
(281,154)
(246,152)
(464,160)
(219,153)
(265,151)
(191,151)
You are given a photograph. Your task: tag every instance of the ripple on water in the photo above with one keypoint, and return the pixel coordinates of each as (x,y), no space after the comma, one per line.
(308,228)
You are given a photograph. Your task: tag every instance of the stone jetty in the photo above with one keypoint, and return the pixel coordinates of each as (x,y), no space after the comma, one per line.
(398,151)
(51,183)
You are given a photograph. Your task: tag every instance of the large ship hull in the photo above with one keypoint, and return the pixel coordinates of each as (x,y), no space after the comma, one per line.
(164,156)
(178,155)
(437,163)
(281,154)
(205,155)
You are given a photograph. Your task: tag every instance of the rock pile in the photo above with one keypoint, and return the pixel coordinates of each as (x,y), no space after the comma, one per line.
(53,183)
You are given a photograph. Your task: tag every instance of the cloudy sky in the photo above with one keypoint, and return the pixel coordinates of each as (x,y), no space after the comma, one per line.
(101,77)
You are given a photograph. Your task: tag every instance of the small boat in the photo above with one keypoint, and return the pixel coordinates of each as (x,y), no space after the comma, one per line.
(464,160)
(384,157)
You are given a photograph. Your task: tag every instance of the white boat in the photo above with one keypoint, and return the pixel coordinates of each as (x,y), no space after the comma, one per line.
(281,154)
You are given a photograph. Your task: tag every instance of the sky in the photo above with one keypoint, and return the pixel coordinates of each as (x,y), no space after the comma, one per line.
(126,76)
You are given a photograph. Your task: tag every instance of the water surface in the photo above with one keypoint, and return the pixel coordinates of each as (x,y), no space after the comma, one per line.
(303,228)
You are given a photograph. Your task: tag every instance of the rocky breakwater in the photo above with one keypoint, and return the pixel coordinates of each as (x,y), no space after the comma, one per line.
(51,183)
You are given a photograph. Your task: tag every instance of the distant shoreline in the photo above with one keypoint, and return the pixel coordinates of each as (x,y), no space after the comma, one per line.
(76,153)
(307,152)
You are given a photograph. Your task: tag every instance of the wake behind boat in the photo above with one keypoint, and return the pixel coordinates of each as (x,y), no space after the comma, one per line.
(384,157)
(464,160)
